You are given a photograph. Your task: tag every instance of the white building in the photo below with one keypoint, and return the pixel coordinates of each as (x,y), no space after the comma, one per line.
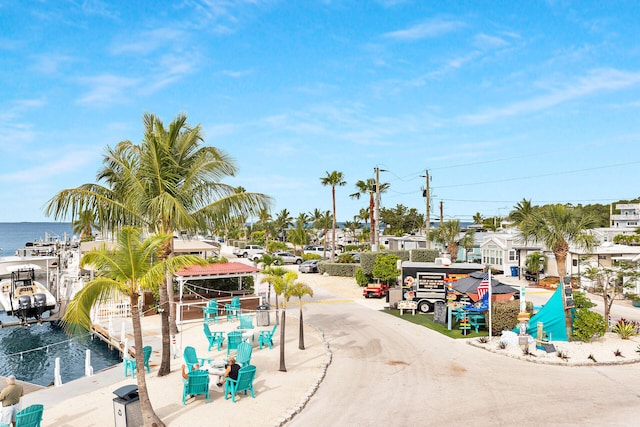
(629,215)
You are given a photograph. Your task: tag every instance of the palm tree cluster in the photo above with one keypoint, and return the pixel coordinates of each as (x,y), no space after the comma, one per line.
(169,182)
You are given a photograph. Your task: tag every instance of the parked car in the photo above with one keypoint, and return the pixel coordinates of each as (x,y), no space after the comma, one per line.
(319,250)
(310,266)
(249,251)
(287,258)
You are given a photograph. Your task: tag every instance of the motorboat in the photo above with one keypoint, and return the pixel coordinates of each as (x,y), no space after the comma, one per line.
(24,297)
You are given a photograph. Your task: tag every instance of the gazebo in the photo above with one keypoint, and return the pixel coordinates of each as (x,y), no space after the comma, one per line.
(469,286)
(190,306)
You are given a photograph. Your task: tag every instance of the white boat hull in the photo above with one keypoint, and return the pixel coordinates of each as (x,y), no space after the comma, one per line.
(29,301)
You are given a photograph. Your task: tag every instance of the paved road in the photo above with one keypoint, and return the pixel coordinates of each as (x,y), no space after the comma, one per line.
(389,372)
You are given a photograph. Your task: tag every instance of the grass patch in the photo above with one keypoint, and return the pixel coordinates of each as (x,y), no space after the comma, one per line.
(426,320)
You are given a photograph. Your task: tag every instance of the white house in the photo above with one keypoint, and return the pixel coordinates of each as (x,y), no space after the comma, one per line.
(503,250)
(629,215)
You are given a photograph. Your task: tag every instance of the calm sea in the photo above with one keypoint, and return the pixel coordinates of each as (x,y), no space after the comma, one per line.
(30,354)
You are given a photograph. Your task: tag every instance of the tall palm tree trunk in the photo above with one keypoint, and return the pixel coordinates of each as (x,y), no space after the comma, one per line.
(149,416)
(301,333)
(283,318)
(165,360)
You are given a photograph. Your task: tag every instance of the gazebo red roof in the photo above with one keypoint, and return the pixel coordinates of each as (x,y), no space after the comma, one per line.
(220,269)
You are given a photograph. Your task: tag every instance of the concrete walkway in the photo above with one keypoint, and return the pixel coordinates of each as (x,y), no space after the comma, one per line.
(89,401)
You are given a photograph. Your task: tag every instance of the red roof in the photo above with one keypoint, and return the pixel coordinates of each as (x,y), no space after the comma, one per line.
(218,269)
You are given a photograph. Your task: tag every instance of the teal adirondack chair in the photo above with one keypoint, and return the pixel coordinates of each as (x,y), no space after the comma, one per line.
(31,416)
(266,337)
(190,358)
(232,310)
(214,338)
(244,354)
(244,383)
(246,322)
(234,339)
(130,363)
(197,383)
(211,311)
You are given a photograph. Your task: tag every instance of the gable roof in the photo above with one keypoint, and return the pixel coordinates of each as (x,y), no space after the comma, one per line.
(218,269)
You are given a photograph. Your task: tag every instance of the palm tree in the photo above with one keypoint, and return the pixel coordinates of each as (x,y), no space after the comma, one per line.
(283,221)
(448,235)
(323,222)
(281,285)
(369,187)
(131,268)
(264,220)
(84,224)
(535,262)
(333,179)
(299,290)
(167,183)
(271,274)
(352,227)
(477,218)
(298,235)
(521,211)
(558,226)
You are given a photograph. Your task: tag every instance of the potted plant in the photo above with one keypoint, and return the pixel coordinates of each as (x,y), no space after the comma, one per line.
(635,299)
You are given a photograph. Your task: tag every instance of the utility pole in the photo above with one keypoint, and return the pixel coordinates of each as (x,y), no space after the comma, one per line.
(427,196)
(376,235)
(441,213)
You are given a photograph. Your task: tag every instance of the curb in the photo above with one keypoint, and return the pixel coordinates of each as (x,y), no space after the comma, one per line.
(288,416)
(552,362)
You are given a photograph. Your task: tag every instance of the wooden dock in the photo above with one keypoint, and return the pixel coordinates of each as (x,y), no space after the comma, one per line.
(27,387)
(102,333)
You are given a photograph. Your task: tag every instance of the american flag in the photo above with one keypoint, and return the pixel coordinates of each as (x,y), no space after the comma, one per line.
(483,287)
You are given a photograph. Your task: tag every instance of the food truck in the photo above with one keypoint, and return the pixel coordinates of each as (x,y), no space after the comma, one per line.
(425,282)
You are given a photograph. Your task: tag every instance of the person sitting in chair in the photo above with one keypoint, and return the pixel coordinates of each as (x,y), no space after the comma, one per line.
(231,371)
(185,374)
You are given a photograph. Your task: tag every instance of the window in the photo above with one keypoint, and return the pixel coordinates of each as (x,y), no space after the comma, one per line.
(513,256)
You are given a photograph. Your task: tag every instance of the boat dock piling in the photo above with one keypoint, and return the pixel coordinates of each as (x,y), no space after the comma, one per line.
(102,333)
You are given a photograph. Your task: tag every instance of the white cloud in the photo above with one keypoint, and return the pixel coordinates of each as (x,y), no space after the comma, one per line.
(107,89)
(50,63)
(487,42)
(147,42)
(433,28)
(596,81)
(236,74)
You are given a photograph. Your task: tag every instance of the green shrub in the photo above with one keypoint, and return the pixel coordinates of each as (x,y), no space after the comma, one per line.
(362,279)
(308,257)
(368,259)
(337,269)
(424,255)
(504,315)
(386,268)
(581,301)
(588,324)
(276,246)
(346,259)
(625,329)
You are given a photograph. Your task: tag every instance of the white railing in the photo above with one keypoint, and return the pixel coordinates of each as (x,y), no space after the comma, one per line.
(115,309)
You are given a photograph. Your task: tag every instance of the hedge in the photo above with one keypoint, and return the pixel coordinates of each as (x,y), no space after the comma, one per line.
(367,259)
(337,269)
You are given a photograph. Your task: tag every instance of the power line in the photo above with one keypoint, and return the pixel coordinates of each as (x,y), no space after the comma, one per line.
(497,181)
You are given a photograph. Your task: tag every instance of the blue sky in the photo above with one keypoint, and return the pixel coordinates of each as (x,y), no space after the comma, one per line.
(498,100)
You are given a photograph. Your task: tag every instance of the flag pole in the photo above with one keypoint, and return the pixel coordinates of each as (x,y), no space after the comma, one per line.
(490,295)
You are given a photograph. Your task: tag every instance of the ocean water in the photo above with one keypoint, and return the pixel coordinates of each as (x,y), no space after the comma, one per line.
(30,353)
(14,235)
